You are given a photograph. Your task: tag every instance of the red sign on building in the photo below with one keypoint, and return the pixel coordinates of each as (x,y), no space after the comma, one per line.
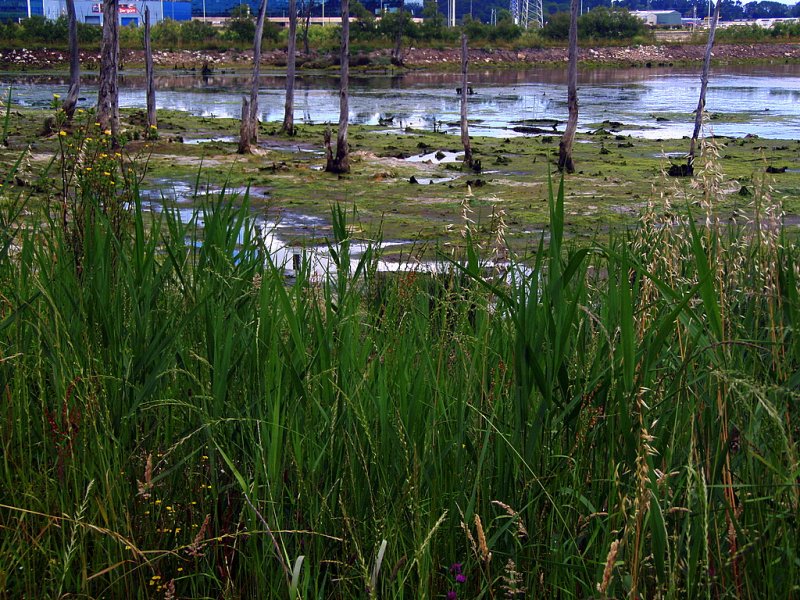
(124,9)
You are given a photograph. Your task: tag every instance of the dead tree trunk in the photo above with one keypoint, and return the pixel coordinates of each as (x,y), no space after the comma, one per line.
(397,54)
(565,162)
(108,92)
(341,163)
(251,116)
(74,62)
(244,127)
(152,121)
(307,4)
(464,92)
(701,104)
(291,56)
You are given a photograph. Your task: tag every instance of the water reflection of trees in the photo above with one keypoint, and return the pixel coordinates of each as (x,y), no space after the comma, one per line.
(180,81)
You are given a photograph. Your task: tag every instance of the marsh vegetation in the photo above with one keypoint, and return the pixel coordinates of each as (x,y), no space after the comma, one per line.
(180,420)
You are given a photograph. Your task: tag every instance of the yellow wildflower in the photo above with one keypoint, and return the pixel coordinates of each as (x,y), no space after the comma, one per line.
(62,133)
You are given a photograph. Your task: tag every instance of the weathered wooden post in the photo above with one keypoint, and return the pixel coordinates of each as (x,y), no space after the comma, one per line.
(464,91)
(108,92)
(565,162)
(341,162)
(291,60)
(248,132)
(701,104)
(152,120)
(74,62)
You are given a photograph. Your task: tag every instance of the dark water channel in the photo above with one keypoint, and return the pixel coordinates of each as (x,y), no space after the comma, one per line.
(652,103)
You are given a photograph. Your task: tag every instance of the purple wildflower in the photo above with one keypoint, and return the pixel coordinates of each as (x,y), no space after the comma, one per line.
(451,595)
(460,578)
(455,568)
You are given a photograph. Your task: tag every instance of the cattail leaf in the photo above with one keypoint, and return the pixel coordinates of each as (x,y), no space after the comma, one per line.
(658,535)
(626,326)
(376,569)
(295,582)
(707,292)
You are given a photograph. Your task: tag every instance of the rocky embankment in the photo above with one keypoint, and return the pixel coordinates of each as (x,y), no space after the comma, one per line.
(23,58)
(617,55)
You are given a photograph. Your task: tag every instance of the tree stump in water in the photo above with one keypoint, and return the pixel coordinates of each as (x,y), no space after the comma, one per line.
(680,170)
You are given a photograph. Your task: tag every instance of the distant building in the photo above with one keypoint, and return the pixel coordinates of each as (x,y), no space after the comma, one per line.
(222,8)
(769,23)
(131,12)
(659,18)
(14,10)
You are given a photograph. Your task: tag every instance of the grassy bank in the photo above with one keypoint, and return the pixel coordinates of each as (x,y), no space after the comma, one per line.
(177,421)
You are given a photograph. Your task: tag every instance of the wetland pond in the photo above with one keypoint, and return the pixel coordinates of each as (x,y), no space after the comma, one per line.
(655,103)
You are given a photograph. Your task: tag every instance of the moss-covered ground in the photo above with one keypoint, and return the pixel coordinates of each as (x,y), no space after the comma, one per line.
(616,175)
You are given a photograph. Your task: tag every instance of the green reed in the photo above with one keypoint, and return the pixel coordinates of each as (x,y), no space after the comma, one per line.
(179,419)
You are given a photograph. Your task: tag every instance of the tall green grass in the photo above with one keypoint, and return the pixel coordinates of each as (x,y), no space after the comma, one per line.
(177,421)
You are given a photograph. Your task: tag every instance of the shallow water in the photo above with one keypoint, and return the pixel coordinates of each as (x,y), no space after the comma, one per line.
(394,256)
(763,100)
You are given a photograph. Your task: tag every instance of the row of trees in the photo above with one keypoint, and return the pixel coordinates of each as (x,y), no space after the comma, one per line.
(602,23)
(598,24)
(167,33)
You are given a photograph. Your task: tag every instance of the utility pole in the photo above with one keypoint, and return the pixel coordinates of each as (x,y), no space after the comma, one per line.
(451,13)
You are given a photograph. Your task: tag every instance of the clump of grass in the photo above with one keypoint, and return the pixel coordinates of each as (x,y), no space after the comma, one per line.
(224,433)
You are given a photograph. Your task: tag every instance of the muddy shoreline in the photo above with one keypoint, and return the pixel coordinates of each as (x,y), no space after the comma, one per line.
(426,58)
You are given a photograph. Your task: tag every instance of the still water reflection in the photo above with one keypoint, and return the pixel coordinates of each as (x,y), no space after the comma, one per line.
(653,103)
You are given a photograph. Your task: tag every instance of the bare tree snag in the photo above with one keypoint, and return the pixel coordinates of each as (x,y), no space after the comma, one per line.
(701,104)
(397,53)
(74,62)
(108,92)
(251,126)
(464,91)
(326,138)
(565,162)
(244,128)
(341,163)
(307,4)
(152,121)
(291,60)
(262,13)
